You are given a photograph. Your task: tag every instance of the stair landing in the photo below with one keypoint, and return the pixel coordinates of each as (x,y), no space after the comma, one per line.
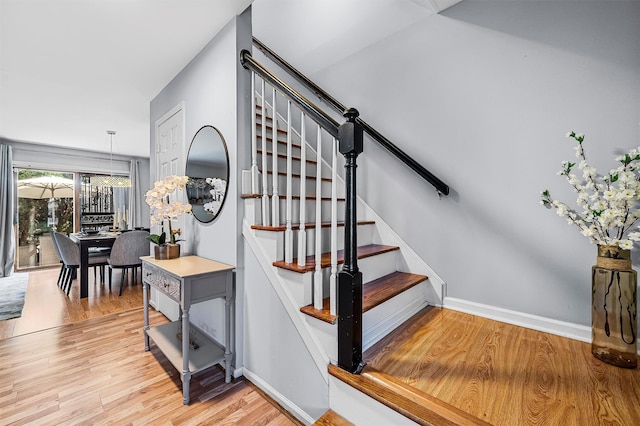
(449,364)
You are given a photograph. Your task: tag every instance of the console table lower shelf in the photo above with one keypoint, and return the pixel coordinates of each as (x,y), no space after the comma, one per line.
(208,353)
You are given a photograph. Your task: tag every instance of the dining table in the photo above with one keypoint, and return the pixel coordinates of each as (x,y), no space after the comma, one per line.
(86,241)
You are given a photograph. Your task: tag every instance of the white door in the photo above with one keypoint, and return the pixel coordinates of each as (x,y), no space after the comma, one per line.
(169,161)
(169,143)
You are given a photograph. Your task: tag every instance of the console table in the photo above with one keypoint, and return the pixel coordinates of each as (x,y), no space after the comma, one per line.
(189,280)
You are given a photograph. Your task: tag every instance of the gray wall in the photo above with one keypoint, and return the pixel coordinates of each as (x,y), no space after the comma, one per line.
(207,85)
(216,91)
(482,95)
(51,157)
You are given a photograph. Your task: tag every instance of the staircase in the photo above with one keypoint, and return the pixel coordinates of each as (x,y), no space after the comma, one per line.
(295,225)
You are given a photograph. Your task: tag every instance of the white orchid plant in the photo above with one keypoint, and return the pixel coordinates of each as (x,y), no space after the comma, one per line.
(609,203)
(162,208)
(218,189)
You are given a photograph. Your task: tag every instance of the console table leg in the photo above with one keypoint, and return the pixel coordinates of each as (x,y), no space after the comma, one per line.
(227,346)
(186,374)
(145,304)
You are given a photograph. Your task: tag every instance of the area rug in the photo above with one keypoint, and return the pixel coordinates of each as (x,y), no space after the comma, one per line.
(12,292)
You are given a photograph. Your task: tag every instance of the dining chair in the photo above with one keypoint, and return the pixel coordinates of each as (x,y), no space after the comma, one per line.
(126,252)
(57,250)
(70,253)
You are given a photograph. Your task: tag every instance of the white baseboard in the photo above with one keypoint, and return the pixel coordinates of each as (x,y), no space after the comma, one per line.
(547,325)
(286,403)
(237,372)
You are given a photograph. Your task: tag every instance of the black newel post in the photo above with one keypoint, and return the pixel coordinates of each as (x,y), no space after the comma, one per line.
(350,278)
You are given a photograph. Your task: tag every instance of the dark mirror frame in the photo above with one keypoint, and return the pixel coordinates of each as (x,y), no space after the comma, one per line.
(206,151)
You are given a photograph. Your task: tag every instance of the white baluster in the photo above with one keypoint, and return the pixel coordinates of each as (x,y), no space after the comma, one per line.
(275,198)
(302,233)
(333,280)
(317,277)
(265,164)
(255,173)
(288,233)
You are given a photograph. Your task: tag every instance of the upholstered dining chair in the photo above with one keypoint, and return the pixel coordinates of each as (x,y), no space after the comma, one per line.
(126,252)
(57,250)
(70,253)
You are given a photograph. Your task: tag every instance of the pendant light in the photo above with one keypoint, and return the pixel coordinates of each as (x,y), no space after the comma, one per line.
(111,180)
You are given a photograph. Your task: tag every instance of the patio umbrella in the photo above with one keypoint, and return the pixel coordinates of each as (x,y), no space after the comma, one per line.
(43,187)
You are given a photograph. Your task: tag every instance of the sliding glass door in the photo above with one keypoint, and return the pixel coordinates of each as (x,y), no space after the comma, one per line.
(65,202)
(45,201)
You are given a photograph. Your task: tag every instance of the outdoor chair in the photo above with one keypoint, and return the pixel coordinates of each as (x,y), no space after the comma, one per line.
(126,253)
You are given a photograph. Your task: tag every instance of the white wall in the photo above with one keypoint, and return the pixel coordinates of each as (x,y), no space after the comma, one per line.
(482,95)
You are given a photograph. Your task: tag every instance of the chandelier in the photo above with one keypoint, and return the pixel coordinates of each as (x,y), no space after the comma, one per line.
(111,180)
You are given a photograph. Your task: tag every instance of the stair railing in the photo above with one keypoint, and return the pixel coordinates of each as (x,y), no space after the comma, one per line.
(441,187)
(347,298)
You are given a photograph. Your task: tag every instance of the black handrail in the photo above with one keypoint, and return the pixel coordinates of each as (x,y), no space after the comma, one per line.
(319,116)
(438,184)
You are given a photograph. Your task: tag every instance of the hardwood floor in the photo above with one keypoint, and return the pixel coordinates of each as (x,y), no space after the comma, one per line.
(76,361)
(83,362)
(47,306)
(507,375)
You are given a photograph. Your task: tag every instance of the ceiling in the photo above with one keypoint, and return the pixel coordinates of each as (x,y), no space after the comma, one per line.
(72,69)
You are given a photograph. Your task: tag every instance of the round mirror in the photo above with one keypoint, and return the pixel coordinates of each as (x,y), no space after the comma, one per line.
(208,171)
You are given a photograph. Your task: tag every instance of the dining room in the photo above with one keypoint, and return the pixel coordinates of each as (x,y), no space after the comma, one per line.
(77,194)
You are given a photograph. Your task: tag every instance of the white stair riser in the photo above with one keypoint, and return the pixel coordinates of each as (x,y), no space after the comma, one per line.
(376,323)
(361,409)
(386,317)
(274,240)
(295,186)
(365,234)
(272,243)
(298,286)
(327,335)
(310,169)
(374,267)
(310,212)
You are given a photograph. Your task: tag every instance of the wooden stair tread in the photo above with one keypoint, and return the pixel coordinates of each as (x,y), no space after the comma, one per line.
(418,406)
(295,197)
(374,293)
(323,314)
(307,225)
(363,252)
(384,288)
(331,418)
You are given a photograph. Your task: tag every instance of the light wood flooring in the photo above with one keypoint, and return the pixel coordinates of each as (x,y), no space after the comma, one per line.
(47,306)
(506,375)
(83,362)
